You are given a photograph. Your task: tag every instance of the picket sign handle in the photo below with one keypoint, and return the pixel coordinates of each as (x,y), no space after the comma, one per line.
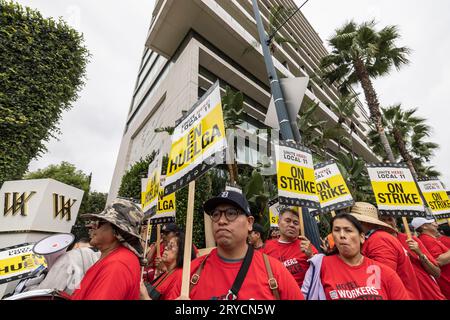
(158,240)
(185,280)
(333,214)
(302,225)
(145,246)
(406,225)
(448,221)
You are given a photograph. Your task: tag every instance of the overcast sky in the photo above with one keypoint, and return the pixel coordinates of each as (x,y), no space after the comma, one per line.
(115,32)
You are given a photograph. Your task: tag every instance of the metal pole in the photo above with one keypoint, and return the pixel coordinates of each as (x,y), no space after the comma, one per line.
(288,127)
(280,106)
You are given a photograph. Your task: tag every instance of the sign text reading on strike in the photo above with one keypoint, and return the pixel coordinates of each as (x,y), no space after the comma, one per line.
(327,192)
(296,179)
(437,202)
(396,193)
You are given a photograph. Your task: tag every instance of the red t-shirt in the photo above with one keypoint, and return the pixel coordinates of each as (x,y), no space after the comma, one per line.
(436,248)
(165,284)
(371,280)
(291,256)
(218,276)
(115,277)
(428,286)
(387,249)
(444,240)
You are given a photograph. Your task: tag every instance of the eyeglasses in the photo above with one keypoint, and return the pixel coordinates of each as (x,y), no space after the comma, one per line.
(170,247)
(231,214)
(96,224)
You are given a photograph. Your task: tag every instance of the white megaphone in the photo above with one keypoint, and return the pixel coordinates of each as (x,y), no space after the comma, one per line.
(53,246)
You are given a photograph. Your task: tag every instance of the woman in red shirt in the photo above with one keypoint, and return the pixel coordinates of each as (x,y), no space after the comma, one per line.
(348,275)
(172,258)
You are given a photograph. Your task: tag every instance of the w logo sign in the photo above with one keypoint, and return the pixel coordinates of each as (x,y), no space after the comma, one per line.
(61,207)
(16,202)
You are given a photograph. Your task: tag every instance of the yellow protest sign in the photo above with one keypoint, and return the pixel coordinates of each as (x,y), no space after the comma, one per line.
(395,190)
(436,197)
(166,207)
(295,176)
(150,188)
(197,142)
(331,188)
(19,262)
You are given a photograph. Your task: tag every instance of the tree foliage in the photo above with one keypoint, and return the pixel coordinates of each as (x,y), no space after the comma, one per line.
(130,186)
(42,68)
(65,172)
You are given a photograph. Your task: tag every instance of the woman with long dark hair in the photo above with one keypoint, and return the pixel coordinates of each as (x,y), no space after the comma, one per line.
(172,258)
(346,274)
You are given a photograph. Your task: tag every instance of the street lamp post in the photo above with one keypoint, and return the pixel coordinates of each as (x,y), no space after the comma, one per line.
(288,127)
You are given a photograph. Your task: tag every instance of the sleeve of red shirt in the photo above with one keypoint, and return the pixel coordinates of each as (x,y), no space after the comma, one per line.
(109,286)
(425,251)
(433,246)
(382,251)
(395,287)
(287,285)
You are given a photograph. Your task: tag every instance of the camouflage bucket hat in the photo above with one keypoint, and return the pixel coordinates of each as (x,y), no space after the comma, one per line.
(124,214)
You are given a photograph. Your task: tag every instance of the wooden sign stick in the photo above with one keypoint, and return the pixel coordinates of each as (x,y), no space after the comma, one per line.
(185,280)
(158,240)
(448,221)
(406,225)
(333,214)
(145,246)
(302,225)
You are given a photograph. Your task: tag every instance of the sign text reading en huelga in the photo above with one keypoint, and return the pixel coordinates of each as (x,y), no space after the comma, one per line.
(331,188)
(150,188)
(395,190)
(19,262)
(196,141)
(295,175)
(436,197)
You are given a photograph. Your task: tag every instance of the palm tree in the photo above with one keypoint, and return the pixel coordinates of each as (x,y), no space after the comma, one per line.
(357,178)
(359,54)
(407,132)
(233,108)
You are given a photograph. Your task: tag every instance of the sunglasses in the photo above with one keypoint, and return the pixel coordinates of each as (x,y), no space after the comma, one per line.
(96,224)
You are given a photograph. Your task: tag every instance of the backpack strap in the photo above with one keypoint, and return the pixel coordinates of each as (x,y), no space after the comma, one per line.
(196,276)
(273,285)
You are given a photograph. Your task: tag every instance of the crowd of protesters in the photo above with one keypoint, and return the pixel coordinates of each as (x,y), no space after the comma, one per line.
(365,257)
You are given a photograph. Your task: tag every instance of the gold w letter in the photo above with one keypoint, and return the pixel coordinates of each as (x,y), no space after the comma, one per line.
(19,203)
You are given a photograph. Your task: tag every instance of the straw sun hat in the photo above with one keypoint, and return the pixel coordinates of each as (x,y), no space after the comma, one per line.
(366,212)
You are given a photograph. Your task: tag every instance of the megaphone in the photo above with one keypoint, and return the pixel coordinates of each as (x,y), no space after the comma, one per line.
(52,247)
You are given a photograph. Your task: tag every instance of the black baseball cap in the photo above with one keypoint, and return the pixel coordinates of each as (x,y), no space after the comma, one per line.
(231,197)
(170,227)
(258,228)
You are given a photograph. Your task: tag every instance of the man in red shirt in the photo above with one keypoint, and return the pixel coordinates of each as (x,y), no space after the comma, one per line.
(424,264)
(382,246)
(215,276)
(116,275)
(427,230)
(293,251)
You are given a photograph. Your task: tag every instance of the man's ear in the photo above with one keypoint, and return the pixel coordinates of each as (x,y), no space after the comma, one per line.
(250,220)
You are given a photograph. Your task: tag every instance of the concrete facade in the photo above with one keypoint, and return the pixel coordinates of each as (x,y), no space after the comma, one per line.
(191,44)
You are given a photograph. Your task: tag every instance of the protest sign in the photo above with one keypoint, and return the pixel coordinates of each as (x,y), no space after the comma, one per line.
(19,262)
(295,176)
(166,206)
(274,212)
(331,188)
(151,187)
(436,197)
(395,190)
(197,142)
